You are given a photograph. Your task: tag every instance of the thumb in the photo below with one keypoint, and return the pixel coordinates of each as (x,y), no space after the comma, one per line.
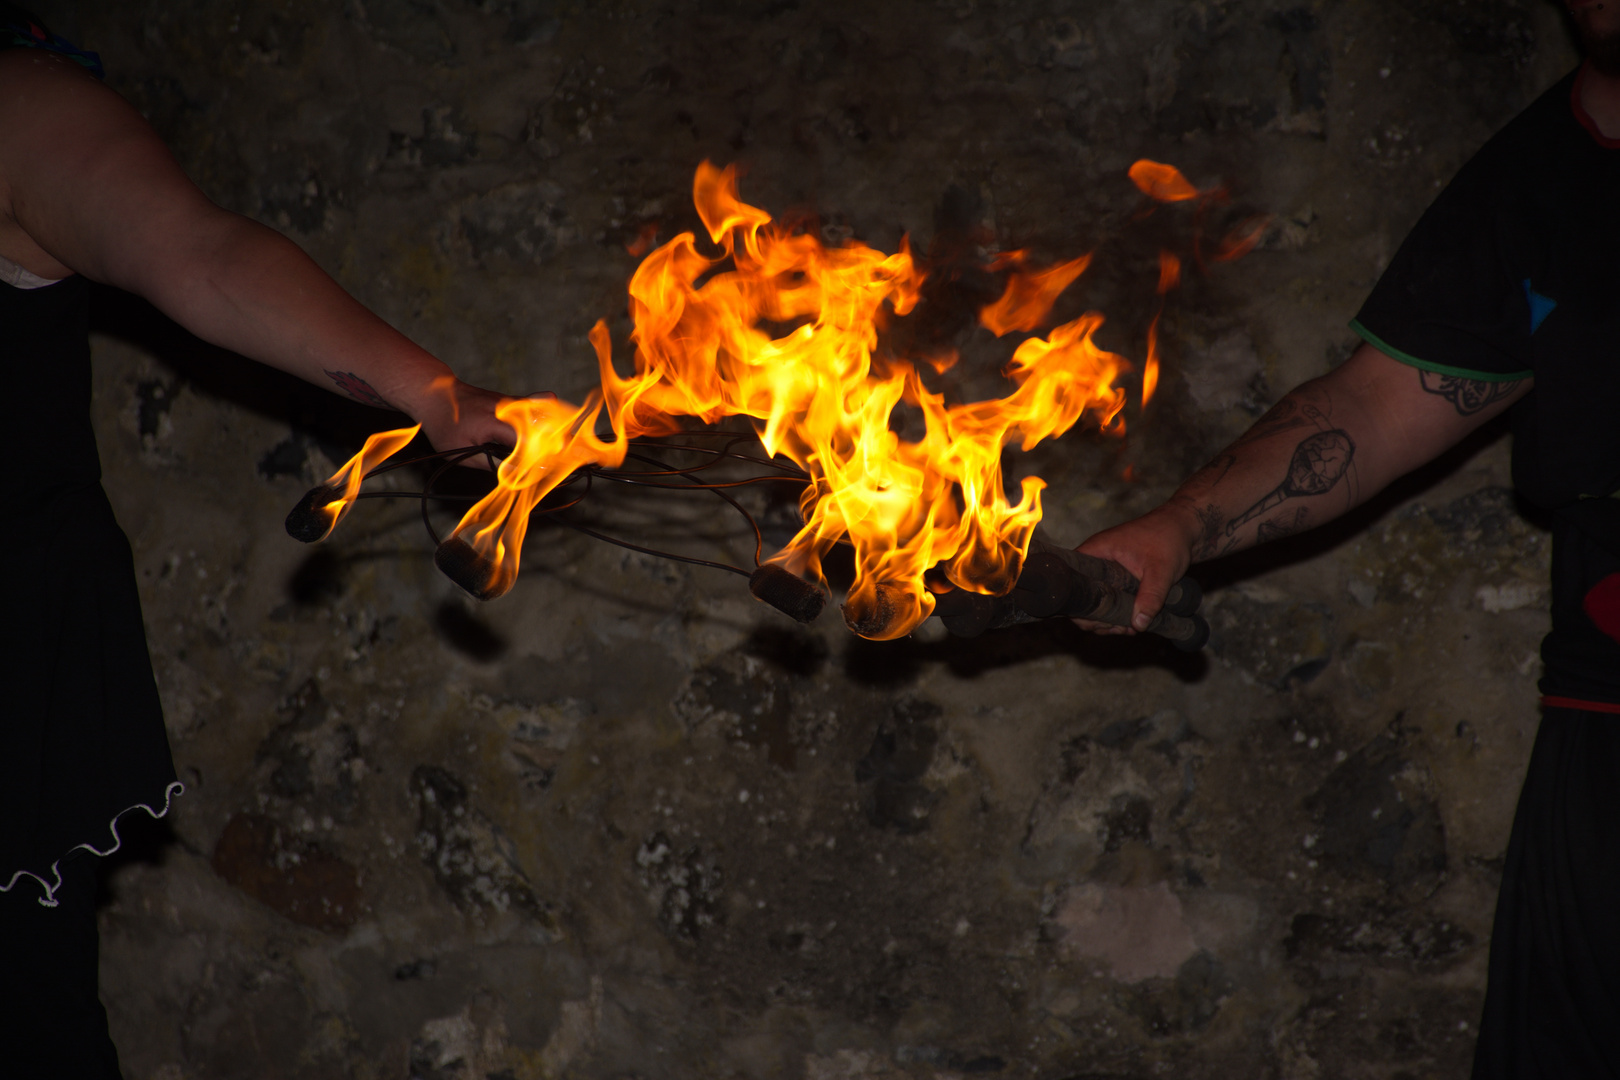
(1150,594)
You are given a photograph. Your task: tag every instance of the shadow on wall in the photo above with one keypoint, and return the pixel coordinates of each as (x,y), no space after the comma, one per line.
(899,663)
(317,417)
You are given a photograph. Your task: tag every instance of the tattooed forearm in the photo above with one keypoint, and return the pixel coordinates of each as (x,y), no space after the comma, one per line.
(1320,461)
(1467,396)
(358,388)
(1210,474)
(1288,414)
(1209,532)
(1281,526)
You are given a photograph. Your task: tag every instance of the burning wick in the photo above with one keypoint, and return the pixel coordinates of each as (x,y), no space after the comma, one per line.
(321,508)
(458,561)
(310,520)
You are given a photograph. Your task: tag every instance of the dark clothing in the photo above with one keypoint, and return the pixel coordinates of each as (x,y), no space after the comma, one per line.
(81,736)
(1554,990)
(52,1023)
(82,739)
(1514,273)
(22,29)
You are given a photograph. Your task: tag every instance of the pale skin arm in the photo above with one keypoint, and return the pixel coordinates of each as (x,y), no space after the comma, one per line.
(1329,445)
(87,187)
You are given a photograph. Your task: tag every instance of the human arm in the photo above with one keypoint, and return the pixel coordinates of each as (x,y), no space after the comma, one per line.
(87,187)
(1327,446)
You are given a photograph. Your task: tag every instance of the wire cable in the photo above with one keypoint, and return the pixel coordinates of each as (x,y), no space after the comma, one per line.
(663,474)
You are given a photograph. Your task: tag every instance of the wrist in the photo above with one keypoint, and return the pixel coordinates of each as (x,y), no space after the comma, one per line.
(427,394)
(1181,517)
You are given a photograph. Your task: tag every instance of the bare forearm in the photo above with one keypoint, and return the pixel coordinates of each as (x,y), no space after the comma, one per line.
(87,187)
(248,289)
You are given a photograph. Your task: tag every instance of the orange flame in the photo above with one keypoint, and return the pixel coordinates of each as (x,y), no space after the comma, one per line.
(1169,278)
(1029,296)
(1161,182)
(1242,238)
(704,348)
(378,448)
(701,351)
(1169,272)
(644,240)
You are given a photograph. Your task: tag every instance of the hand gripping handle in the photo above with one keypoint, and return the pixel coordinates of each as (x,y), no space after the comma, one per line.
(1101,590)
(1057,582)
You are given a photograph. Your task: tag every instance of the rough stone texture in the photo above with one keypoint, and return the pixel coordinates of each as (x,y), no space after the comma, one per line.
(628,822)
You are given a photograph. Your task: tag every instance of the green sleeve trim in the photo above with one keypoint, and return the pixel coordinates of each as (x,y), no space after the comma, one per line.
(1425,365)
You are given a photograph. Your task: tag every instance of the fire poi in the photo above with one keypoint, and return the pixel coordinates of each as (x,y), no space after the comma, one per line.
(929,520)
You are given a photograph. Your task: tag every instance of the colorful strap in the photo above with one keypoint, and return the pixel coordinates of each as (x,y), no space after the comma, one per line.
(23,30)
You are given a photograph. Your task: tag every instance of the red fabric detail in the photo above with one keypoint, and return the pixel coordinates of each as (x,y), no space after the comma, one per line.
(1548,701)
(1585,120)
(1602,605)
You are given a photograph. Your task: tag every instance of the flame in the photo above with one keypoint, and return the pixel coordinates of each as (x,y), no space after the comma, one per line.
(708,345)
(1169,272)
(378,448)
(1029,296)
(1169,278)
(1242,238)
(644,240)
(816,398)
(1161,182)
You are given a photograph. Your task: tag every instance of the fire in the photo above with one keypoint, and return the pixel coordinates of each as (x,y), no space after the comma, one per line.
(708,345)
(1030,295)
(1242,239)
(1169,278)
(346,481)
(1162,183)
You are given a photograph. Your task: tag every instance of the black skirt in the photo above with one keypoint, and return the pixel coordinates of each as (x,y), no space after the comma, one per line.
(1552,1007)
(81,728)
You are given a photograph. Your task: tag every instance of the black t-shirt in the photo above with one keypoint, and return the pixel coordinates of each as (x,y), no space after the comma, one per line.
(1514,273)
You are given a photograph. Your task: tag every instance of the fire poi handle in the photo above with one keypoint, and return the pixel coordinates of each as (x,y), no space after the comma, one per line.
(1058,582)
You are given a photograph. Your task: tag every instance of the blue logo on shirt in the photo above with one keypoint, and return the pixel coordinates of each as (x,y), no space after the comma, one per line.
(1540,306)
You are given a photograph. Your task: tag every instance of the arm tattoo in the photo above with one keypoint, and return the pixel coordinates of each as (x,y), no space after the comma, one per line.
(1468,396)
(1209,533)
(358,388)
(1276,529)
(1210,518)
(1319,462)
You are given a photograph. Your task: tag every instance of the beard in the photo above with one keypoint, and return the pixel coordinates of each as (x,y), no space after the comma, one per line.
(1602,49)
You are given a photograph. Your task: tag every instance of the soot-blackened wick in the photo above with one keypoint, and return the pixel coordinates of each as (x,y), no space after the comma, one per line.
(461,563)
(309,521)
(787,592)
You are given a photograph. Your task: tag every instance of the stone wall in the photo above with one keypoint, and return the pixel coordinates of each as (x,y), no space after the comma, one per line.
(627,822)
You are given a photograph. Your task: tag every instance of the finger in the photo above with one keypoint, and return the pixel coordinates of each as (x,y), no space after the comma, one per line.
(1102,628)
(1150,596)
